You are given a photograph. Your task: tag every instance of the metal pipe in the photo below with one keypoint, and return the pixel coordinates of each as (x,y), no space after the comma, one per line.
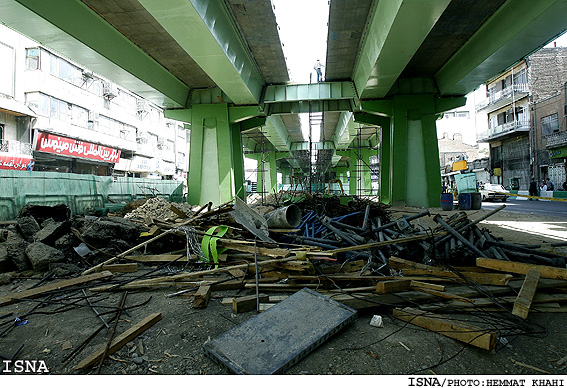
(408,219)
(459,236)
(366,214)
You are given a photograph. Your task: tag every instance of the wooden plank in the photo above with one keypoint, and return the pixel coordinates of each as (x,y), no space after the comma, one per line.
(248,303)
(442,294)
(120,268)
(271,252)
(391,286)
(120,341)
(460,331)
(522,268)
(431,286)
(154,231)
(236,284)
(352,266)
(495,279)
(280,287)
(38,291)
(188,275)
(397,263)
(157,258)
(526,295)
(202,297)
(177,211)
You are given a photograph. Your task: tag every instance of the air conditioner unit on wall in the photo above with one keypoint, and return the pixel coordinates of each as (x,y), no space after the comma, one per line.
(109,90)
(93,116)
(143,106)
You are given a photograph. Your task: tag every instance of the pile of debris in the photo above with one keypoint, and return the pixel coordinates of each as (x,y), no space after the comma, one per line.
(158,207)
(348,249)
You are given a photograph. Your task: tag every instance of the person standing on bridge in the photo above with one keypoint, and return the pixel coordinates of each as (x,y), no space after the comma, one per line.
(318,66)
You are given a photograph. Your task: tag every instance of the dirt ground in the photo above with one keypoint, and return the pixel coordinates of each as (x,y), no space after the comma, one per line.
(173,346)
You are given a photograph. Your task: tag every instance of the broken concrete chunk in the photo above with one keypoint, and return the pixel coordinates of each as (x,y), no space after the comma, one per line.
(104,231)
(28,226)
(63,269)
(5,278)
(17,253)
(5,261)
(41,255)
(59,212)
(51,231)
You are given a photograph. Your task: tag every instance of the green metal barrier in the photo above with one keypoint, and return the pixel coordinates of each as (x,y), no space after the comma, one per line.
(78,191)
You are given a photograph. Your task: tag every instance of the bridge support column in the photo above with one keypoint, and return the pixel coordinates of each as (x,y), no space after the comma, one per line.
(410,156)
(341,173)
(216,164)
(267,178)
(360,179)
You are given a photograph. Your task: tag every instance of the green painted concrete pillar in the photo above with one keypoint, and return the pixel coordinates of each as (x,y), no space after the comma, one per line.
(414,176)
(216,164)
(385,186)
(341,173)
(360,180)
(267,179)
(267,173)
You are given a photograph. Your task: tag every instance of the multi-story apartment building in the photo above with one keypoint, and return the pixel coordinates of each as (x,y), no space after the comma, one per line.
(507,109)
(518,151)
(63,117)
(549,138)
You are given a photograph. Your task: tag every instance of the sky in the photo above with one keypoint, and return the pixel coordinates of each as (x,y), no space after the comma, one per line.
(303,33)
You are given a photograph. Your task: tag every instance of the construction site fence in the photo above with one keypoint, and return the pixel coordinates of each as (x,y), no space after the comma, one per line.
(81,193)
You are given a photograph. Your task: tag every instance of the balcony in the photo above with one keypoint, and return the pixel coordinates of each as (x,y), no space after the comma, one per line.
(502,98)
(557,139)
(503,131)
(15,147)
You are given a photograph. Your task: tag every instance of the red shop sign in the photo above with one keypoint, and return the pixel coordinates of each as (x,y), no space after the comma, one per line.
(47,142)
(8,162)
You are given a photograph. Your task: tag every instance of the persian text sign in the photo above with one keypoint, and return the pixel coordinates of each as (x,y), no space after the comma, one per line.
(47,142)
(8,162)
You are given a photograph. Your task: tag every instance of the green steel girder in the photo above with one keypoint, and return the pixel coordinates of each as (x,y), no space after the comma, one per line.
(209,96)
(237,114)
(396,30)
(277,134)
(254,122)
(206,31)
(74,30)
(310,92)
(341,137)
(309,106)
(304,146)
(518,28)
(178,114)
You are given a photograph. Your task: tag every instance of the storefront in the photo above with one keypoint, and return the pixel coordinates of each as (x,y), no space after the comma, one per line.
(63,154)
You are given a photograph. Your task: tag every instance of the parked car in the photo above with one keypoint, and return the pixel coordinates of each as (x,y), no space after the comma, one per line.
(493,192)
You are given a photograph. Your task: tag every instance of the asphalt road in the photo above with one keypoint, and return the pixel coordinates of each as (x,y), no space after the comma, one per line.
(541,207)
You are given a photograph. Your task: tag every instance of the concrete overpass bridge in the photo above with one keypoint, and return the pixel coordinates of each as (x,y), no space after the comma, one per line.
(392,67)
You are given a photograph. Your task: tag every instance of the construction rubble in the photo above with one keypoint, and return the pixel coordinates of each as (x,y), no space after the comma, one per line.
(332,256)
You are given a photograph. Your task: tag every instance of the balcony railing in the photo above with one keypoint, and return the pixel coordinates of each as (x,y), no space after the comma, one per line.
(507,92)
(516,125)
(15,147)
(556,139)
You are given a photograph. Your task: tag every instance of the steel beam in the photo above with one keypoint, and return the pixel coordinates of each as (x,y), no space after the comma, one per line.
(206,31)
(517,29)
(74,30)
(396,30)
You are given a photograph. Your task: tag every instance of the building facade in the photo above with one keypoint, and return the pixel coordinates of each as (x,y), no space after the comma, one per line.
(522,113)
(60,116)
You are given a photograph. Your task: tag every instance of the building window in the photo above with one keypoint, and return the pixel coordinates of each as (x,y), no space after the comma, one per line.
(32,58)
(549,124)
(7,70)
(60,68)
